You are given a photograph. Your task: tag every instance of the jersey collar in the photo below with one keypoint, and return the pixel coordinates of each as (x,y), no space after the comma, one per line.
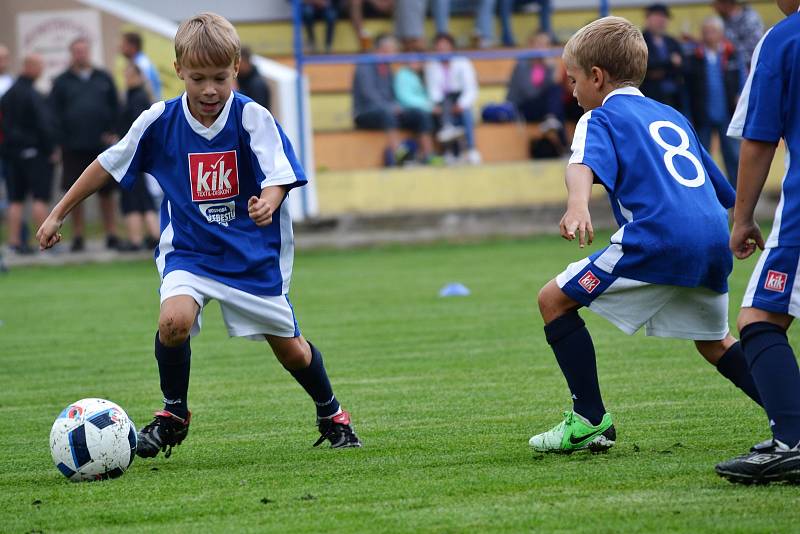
(210,132)
(633,91)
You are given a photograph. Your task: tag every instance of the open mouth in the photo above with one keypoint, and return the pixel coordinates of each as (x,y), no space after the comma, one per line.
(208,107)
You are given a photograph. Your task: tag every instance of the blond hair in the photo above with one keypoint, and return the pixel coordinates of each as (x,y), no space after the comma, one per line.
(207,40)
(612,44)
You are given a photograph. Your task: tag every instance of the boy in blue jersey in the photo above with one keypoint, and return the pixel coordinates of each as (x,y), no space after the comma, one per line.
(226,168)
(667,266)
(769,110)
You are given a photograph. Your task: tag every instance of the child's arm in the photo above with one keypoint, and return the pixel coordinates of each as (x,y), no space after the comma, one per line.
(261,208)
(577,218)
(92,179)
(754,162)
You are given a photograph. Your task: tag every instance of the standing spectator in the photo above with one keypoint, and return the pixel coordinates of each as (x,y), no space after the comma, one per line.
(409,23)
(86,108)
(358,8)
(137,204)
(743,26)
(453,88)
(6,80)
(663,81)
(251,83)
(375,106)
(28,147)
(714,78)
(131,48)
(314,10)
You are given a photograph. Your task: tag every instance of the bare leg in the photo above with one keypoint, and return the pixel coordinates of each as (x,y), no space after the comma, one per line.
(133,225)
(14,218)
(108,213)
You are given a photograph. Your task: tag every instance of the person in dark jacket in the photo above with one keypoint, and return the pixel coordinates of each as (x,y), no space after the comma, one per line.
(663,81)
(86,108)
(375,106)
(251,83)
(715,75)
(137,204)
(28,145)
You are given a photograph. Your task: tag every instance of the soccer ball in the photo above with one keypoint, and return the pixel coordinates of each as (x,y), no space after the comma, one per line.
(92,439)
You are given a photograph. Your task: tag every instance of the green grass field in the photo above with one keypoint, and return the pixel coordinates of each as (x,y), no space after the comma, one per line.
(444,393)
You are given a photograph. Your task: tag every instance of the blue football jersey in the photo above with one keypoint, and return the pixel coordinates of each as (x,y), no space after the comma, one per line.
(208,174)
(769,110)
(667,194)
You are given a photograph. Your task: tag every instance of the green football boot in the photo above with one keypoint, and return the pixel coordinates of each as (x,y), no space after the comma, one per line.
(575,433)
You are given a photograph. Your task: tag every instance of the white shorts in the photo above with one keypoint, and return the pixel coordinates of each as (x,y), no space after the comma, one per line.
(245,315)
(695,313)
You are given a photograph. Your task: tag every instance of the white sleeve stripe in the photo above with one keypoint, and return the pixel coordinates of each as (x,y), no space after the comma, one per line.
(736,126)
(117,159)
(266,144)
(579,138)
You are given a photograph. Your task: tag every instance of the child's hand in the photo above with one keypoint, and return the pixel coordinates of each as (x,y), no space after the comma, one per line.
(745,238)
(48,234)
(577,221)
(260,210)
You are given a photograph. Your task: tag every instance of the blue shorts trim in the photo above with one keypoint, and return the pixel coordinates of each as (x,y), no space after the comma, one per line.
(773,281)
(589,283)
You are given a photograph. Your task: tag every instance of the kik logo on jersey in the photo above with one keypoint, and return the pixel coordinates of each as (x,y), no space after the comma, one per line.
(214,176)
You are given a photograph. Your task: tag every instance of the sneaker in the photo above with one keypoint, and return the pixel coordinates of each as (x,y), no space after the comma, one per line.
(112,242)
(338,431)
(167,430)
(77,245)
(473,157)
(764,464)
(449,133)
(575,433)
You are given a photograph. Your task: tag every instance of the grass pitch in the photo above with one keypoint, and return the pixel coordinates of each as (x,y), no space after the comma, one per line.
(444,394)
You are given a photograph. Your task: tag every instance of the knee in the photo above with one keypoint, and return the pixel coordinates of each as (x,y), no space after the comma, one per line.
(548,304)
(174,328)
(294,355)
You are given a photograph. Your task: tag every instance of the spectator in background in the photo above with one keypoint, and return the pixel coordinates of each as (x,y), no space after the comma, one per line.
(484,19)
(715,75)
(6,79)
(131,48)
(743,27)
(360,8)
(663,81)
(137,204)
(453,88)
(251,83)
(84,101)
(28,145)
(375,106)
(314,10)
(409,23)
(409,89)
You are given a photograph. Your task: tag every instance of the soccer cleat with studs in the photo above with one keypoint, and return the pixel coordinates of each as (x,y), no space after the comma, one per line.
(764,464)
(167,430)
(338,431)
(575,433)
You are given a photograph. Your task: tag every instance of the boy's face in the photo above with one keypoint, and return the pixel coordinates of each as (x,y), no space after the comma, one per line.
(207,89)
(586,87)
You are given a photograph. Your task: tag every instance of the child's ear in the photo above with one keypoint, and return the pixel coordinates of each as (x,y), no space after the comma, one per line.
(598,77)
(178,70)
(236,67)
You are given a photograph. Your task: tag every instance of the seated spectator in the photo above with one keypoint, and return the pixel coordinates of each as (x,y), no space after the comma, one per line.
(375,106)
(409,89)
(453,87)
(361,8)
(663,81)
(251,83)
(28,145)
(137,204)
(715,75)
(314,10)
(536,91)
(743,27)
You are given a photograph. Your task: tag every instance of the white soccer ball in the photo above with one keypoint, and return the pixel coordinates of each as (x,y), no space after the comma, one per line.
(93,439)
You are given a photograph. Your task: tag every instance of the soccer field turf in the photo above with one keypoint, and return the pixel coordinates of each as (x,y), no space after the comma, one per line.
(444,394)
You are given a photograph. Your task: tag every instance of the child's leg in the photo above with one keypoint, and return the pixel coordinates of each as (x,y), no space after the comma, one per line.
(570,340)
(304,362)
(729,359)
(173,352)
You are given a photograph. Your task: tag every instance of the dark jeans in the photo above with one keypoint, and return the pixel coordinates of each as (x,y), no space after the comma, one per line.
(416,120)
(329,14)
(551,102)
(729,146)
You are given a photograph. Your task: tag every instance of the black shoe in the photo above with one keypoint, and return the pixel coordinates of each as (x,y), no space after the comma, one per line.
(112,242)
(338,431)
(128,246)
(77,245)
(167,430)
(23,249)
(150,243)
(765,464)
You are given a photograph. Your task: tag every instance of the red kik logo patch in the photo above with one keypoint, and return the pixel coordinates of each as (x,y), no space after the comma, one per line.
(776,281)
(589,281)
(213,175)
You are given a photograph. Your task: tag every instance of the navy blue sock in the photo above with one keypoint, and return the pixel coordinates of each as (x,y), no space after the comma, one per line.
(314,380)
(774,369)
(173,370)
(574,350)
(733,366)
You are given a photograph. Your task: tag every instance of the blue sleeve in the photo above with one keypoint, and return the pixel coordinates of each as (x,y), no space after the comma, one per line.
(592,146)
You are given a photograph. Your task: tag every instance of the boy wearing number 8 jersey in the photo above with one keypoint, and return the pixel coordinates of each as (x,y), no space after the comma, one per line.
(666,268)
